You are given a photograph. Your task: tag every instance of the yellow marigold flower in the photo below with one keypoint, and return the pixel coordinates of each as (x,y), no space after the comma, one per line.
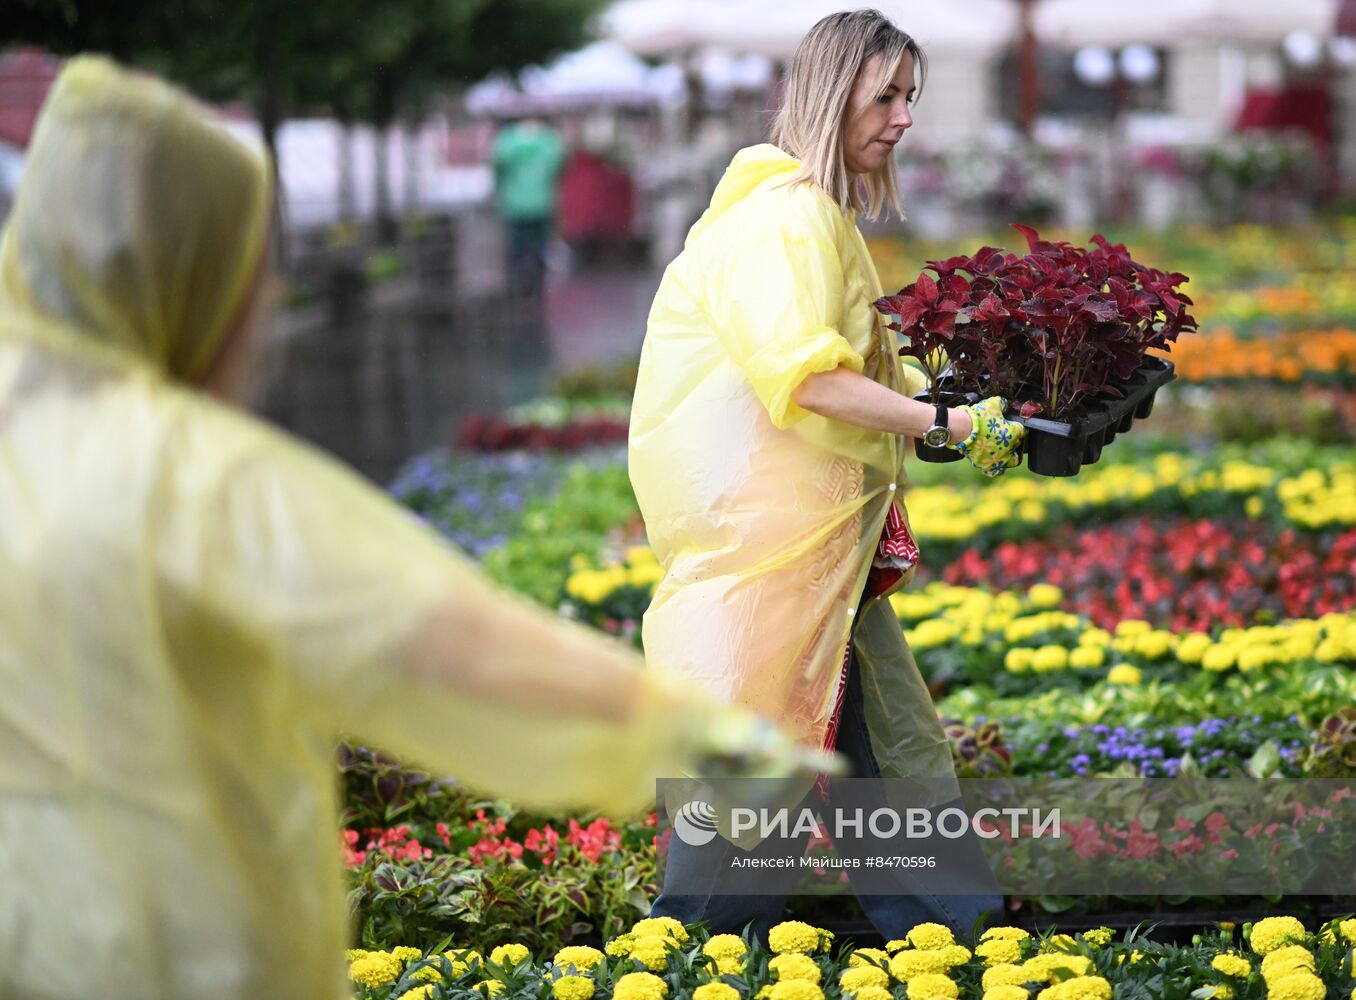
(1099,937)
(795,935)
(428,974)
(1271,933)
(1285,961)
(1095,637)
(1041,968)
(1087,657)
(490,987)
(999,951)
(1078,988)
(1048,659)
(1154,645)
(909,964)
(463,960)
(1058,943)
(931,986)
(869,957)
(640,986)
(661,927)
(1006,993)
(376,968)
(873,993)
(1191,647)
(1124,673)
(1253,507)
(730,966)
(725,946)
(794,965)
(930,936)
(1231,964)
(407,954)
(1018,659)
(852,980)
(1298,986)
(955,954)
(1004,975)
(1348,929)
(572,988)
(1004,934)
(620,946)
(638,555)
(795,989)
(424,992)
(1132,626)
(651,951)
(582,957)
(895,945)
(1044,595)
(715,991)
(353,954)
(1221,991)
(509,954)
(1219,658)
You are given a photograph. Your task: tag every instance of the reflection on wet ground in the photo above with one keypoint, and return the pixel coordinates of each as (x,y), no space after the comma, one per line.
(401,376)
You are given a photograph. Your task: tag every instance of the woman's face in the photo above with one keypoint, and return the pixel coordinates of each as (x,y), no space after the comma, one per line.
(876,121)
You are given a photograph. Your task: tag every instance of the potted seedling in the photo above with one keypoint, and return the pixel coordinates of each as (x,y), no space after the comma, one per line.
(1061,332)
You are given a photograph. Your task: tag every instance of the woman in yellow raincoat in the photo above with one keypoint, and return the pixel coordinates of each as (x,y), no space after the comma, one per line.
(193,605)
(767,447)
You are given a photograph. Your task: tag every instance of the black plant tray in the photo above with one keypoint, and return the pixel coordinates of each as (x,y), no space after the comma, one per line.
(1060,448)
(947,397)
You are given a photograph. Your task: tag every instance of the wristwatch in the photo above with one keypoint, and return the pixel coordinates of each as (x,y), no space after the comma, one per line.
(939,434)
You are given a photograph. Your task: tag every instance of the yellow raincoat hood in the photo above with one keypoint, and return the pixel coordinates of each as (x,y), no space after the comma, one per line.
(765,516)
(193,605)
(749,169)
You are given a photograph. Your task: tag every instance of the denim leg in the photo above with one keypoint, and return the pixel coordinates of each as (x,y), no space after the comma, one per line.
(694,876)
(893,915)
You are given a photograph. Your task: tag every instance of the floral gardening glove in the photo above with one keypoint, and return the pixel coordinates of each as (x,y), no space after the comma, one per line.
(993,442)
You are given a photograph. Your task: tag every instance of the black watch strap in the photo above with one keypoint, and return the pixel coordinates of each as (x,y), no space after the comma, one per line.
(943,416)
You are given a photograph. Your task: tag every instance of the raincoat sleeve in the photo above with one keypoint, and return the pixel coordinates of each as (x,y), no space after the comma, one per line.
(370,625)
(778,304)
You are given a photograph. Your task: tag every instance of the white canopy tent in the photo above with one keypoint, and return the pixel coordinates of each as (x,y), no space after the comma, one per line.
(774,27)
(1172,23)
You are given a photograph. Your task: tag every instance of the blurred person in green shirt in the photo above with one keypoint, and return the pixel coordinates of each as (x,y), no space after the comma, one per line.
(528,156)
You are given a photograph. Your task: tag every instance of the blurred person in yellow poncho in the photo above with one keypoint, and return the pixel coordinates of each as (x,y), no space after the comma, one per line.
(767,453)
(194,605)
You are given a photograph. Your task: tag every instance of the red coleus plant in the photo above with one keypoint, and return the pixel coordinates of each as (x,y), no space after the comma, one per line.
(1049,329)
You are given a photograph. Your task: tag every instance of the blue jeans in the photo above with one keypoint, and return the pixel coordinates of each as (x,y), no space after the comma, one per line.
(691,874)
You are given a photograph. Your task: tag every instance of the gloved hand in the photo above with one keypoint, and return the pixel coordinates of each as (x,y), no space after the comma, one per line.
(993,442)
(744,745)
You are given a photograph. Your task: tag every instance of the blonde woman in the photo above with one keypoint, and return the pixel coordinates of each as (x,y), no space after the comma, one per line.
(193,604)
(767,448)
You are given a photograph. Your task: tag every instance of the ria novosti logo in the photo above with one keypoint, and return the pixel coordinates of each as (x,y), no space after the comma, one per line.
(695,823)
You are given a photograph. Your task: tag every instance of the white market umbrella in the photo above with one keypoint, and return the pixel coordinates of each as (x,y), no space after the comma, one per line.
(1077,23)
(774,27)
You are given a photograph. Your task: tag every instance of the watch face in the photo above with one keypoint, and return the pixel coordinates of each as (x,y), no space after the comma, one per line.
(937,437)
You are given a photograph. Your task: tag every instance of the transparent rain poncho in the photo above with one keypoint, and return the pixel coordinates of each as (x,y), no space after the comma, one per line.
(193,605)
(766,517)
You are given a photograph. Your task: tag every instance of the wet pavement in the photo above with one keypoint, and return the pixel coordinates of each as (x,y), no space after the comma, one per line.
(399,375)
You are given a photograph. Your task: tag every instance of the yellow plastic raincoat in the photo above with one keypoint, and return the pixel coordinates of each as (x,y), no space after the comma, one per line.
(192,605)
(765,516)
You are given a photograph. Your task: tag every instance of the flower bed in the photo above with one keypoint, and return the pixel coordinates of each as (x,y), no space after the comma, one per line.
(1276,958)
(1183,574)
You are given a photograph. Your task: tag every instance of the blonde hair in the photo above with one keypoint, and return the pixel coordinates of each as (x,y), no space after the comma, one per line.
(809,124)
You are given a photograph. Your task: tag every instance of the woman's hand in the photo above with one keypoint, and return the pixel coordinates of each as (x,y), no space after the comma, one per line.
(992,444)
